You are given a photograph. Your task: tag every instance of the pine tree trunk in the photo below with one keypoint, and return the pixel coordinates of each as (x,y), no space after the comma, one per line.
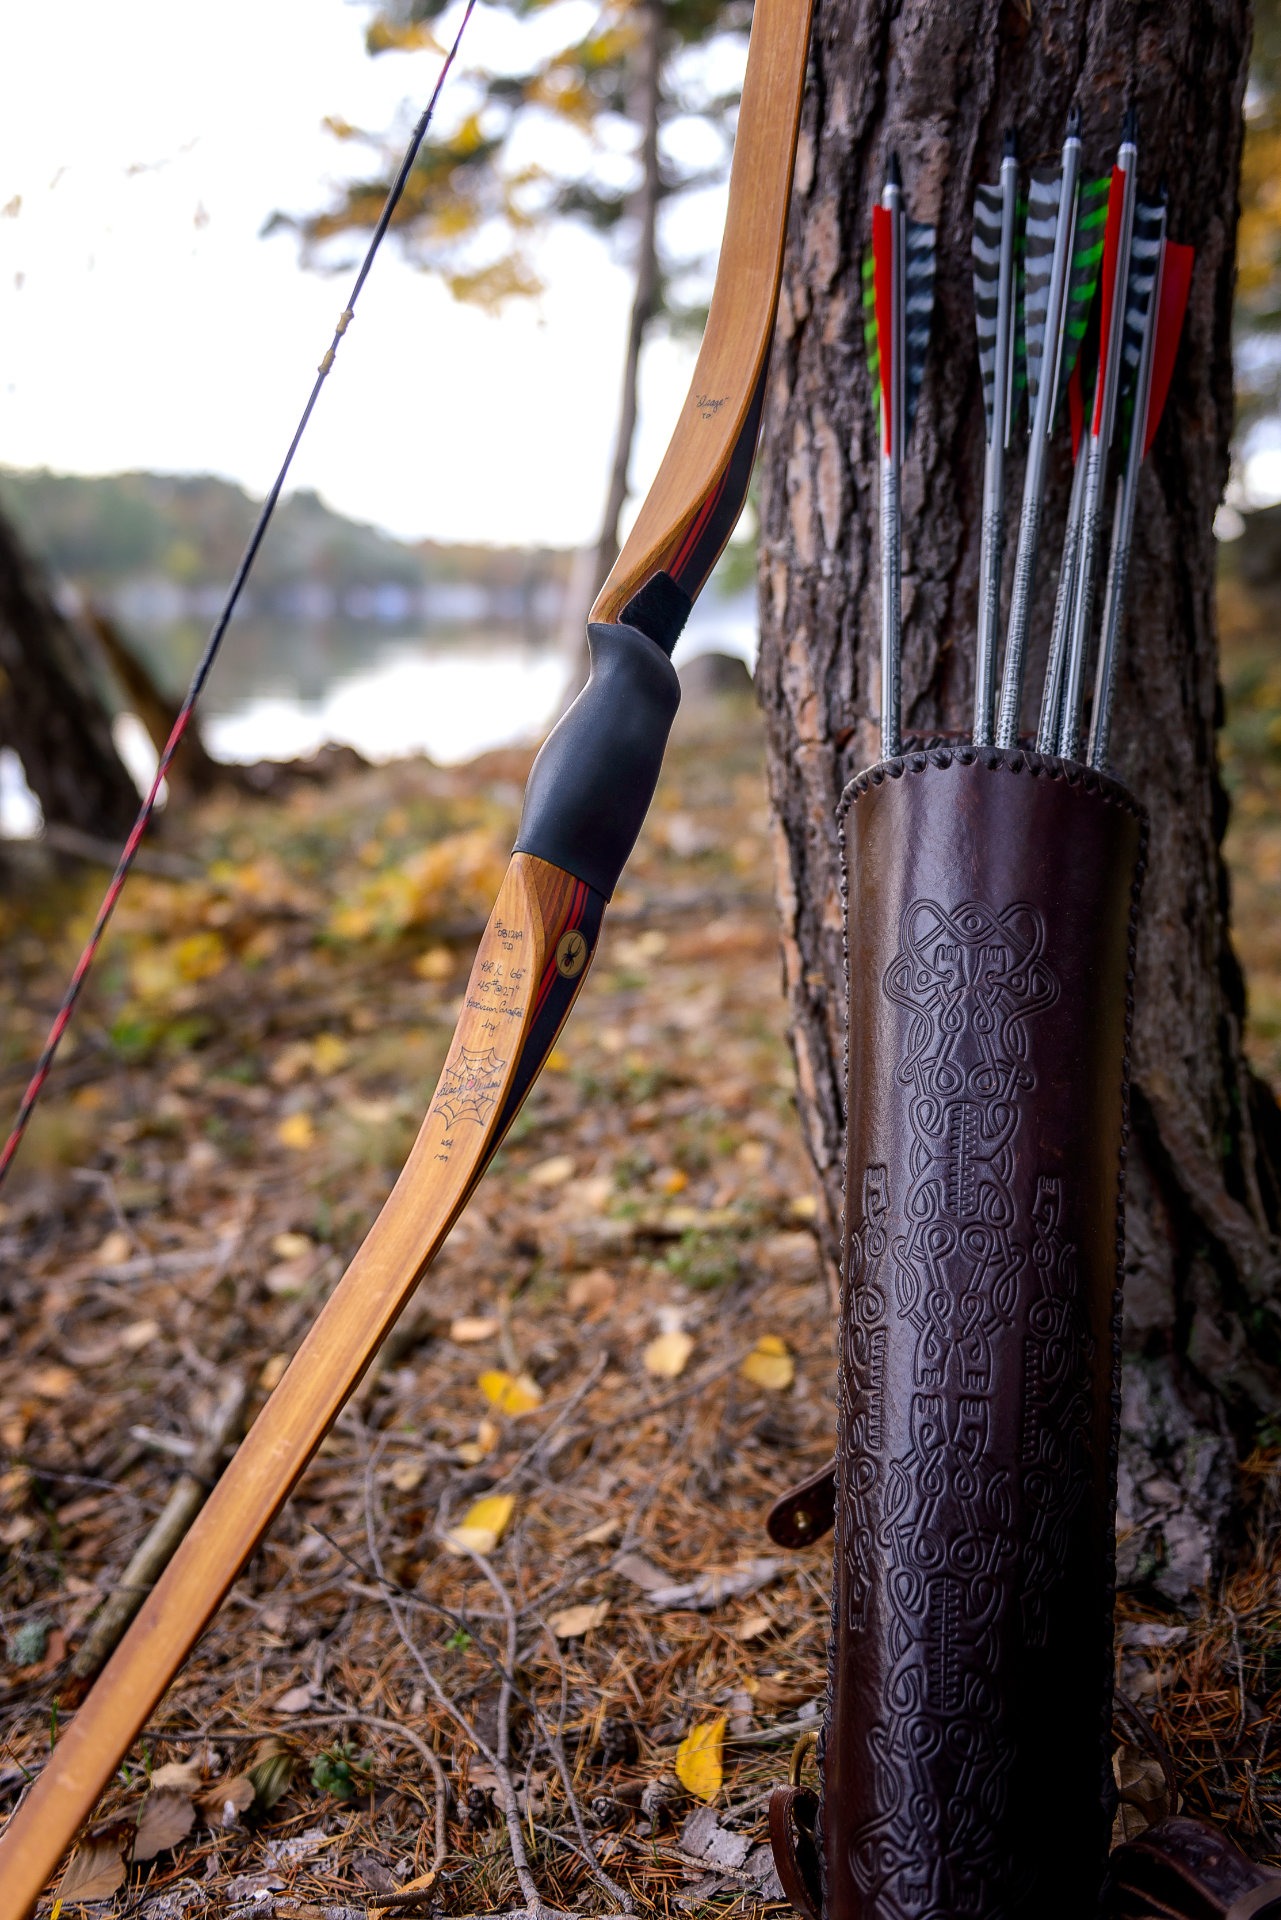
(51,713)
(940,85)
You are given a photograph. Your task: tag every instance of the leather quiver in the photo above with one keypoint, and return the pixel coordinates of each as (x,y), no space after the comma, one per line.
(991,902)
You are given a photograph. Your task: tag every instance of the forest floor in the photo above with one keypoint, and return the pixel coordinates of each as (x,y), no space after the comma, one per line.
(623,1355)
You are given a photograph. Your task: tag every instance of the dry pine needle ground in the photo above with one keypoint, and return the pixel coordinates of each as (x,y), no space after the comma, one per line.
(529,1564)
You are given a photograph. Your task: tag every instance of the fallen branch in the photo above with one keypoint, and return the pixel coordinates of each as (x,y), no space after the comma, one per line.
(190,1492)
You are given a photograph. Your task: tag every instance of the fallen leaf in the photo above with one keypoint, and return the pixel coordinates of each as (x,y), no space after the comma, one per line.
(469,1328)
(421,1882)
(270,1770)
(509,1392)
(752,1627)
(706,1839)
(598,1535)
(54,1383)
(554,1172)
(167,1817)
(557,1061)
(139,1334)
(296,1131)
(221,1804)
(405,1475)
(591,1292)
(115,1249)
(674,1181)
(183,1774)
(753,1155)
(97,1867)
(297,1699)
(436,964)
(803,1207)
(573,1622)
(482,1526)
(666,1357)
(711,1590)
(698,1759)
(329,1052)
(641,1572)
(272,1370)
(769,1364)
(291,1246)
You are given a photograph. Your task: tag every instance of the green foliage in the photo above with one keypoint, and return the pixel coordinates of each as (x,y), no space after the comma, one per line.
(704,1261)
(27,1643)
(340,1771)
(553,135)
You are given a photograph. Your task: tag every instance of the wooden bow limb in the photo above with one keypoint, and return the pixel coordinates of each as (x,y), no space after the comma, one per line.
(532,959)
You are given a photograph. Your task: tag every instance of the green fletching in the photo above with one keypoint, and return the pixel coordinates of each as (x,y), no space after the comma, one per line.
(1087,261)
(871,340)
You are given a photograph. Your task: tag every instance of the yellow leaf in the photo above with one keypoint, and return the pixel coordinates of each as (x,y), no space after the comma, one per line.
(557,1060)
(769,1364)
(436,964)
(554,1172)
(665,1358)
(573,1622)
(200,956)
(698,1759)
(290,1246)
(482,1526)
(296,1131)
(674,1182)
(804,1207)
(509,1392)
(328,1053)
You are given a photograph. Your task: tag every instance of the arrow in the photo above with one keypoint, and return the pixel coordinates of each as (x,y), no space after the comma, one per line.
(902,289)
(993,248)
(1115,280)
(1160,280)
(1048,244)
(588,793)
(1083,280)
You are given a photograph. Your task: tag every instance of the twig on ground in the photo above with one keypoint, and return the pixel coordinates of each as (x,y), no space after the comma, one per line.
(190,1492)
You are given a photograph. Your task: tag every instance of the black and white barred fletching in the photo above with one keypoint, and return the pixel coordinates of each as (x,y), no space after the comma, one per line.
(1043,194)
(1145,263)
(989,203)
(918,310)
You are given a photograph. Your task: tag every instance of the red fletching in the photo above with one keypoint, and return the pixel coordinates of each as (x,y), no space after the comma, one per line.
(1176,280)
(883,283)
(1076,408)
(1111,246)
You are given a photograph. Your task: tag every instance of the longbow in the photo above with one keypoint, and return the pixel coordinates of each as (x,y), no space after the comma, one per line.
(588,794)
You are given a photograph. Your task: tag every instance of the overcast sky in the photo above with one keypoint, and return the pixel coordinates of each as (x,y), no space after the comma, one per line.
(144,324)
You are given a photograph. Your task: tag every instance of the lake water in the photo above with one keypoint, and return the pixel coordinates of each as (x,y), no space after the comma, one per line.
(279,693)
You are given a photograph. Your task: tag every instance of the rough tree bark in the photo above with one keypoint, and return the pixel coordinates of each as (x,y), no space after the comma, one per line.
(51,714)
(940,85)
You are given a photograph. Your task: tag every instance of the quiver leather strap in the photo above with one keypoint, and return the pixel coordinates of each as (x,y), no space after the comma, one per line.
(1182,1869)
(991,914)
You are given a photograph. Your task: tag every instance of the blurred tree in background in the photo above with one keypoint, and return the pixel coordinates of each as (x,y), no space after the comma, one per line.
(604,125)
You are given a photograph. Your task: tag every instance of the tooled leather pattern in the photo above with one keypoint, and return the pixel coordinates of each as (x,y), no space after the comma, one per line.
(971,979)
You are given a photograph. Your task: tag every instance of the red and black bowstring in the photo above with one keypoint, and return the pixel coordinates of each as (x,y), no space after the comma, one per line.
(219,629)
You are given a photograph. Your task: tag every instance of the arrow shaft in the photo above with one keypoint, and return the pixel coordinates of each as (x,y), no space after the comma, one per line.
(1051,698)
(894,404)
(1123,534)
(993,521)
(1024,581)
(1107,385)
